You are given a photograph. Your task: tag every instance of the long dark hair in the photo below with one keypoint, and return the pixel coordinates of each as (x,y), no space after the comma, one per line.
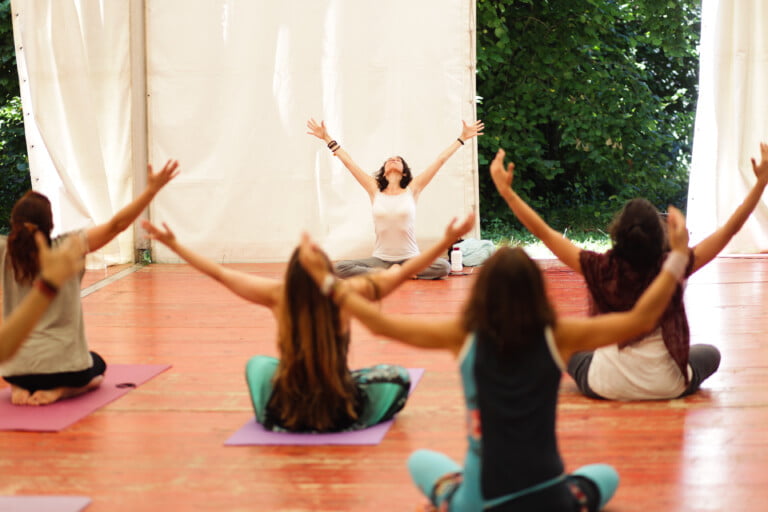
(508,303)
(313,388)
(382,182)
(639,236)
(30,213)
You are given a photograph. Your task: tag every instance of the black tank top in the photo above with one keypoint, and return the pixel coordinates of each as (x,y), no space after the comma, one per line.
(517,398)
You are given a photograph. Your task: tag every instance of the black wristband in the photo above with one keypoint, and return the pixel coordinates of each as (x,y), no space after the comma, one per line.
(460,141)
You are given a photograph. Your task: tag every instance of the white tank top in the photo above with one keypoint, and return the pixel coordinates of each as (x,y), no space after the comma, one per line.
(394,218)
(640,371)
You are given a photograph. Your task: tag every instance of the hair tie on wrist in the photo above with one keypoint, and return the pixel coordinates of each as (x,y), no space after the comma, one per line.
(675,264)
(328,284)
(46,287)
(460,141)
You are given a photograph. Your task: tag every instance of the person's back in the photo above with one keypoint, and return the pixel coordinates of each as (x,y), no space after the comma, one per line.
(517,397)
(659,365)
(57,344)
(310,387)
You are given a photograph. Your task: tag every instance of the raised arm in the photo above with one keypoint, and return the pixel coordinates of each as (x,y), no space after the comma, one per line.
(366,180)
(390,279)
(259,290)
(576,334)
(711,246)
(435,334)
(563,248)
(99,236)
(56,266)
(467,132)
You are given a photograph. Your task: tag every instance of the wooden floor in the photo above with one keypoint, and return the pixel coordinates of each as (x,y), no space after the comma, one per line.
(160,447)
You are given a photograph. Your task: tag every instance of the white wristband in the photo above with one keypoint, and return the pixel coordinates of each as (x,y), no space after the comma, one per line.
(327,285)
(675,264)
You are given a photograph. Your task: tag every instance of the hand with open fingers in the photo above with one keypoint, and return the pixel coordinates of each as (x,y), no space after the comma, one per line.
(677,230)
(502,178)
(761,169)
(458,228)
(318,130)
(164,236)
(471,130)
(157,180)
(60,263)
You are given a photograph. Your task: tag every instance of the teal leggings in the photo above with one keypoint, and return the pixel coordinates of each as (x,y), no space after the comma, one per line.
(385,388)
(452,488)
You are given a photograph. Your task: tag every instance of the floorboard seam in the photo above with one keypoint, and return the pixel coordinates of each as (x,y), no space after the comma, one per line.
(98,285)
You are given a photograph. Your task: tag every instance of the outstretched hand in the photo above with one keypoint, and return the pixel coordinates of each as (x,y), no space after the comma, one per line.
(502,178)
(318,130)
(59,264)
(471,130)
(164,236)
(157,180)
(761,170)
(313,259)
(677,230)
(458,228)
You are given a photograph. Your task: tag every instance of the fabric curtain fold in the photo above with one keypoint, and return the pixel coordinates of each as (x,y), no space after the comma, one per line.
(731,120)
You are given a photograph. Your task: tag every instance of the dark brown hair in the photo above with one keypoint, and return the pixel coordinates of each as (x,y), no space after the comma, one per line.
(30,213)
(639,235)
(382,182)
(313,388)
(508,303)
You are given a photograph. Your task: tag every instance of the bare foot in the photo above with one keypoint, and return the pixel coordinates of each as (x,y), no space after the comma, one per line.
(49,396)
(19,396)
(45,396)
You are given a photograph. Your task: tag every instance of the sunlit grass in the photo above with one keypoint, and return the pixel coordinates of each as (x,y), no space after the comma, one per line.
(593,240)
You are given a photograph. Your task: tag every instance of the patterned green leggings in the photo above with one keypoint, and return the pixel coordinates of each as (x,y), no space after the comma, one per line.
(384,387)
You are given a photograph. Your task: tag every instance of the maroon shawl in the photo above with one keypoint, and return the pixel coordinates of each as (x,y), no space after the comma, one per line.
(615,286)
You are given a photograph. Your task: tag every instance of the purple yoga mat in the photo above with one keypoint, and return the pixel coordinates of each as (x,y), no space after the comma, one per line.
(119,379)
(253,433)
(43,503)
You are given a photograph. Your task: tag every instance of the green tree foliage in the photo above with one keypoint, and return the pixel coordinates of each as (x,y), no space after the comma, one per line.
(13,159)
(593,100)
(14,167)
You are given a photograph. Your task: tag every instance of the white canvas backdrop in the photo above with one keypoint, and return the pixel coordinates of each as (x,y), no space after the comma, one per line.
(231,84)
(229,87)
(731,120)
(73,59)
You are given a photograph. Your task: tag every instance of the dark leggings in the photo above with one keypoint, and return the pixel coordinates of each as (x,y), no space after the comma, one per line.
(35,382)
(703,359)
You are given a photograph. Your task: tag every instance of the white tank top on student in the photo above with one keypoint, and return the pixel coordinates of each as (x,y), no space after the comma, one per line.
(394,218)
(640,371)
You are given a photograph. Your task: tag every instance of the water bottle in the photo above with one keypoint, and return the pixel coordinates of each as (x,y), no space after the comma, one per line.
(456,263)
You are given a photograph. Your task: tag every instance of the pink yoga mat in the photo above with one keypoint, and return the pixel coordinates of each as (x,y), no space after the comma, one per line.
(43,503)
(253,433)
(119,379)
